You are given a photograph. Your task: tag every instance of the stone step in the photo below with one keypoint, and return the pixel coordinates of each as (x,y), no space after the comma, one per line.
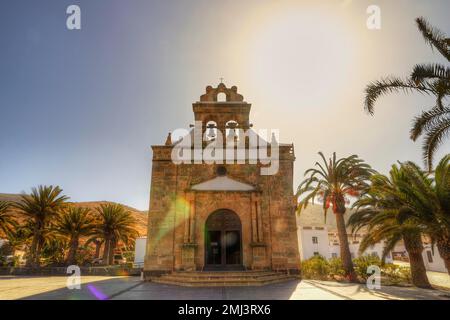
(211,275)
(224,278)
(223,283)
(227,272)
(212,279)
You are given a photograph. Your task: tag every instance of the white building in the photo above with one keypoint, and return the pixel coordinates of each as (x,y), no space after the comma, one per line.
(313,241)
(432,259)
(318,236)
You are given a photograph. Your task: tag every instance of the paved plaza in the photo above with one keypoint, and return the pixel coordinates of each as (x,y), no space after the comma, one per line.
(132,288)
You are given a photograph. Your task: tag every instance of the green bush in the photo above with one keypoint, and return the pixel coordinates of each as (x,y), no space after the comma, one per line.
(396,274)
(363,262)
(319,268)
(316,267)
(336,267)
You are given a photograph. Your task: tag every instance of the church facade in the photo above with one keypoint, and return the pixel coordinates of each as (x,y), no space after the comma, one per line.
(222,215)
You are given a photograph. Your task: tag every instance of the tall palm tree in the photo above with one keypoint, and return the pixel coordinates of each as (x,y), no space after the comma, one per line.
(431,79)
(7,219)
(115,224)
(71,224)
(428,197)
(333,182)
(385,212)
(442,192)
(40,206)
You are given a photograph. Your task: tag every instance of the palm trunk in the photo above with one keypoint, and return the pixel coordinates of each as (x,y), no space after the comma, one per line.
(443,245)
(106,251)
(72,251)
(111,252)
(414,247)
(37,254)
(32,253)
(346,256)
(98,246)
(31,257)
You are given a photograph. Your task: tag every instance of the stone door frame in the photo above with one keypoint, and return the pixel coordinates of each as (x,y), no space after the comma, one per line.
(237,227)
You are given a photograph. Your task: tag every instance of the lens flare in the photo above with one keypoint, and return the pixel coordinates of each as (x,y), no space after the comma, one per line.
(97,292)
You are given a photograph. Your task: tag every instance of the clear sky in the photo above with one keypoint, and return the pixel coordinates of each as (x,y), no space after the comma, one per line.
(81,109)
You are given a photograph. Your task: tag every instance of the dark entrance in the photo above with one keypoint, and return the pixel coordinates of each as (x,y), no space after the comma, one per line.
(223,245)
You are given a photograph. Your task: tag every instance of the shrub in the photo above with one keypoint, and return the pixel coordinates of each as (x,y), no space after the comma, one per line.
(319,268)
(396,274)
(316,267)
(336,268)
(363,262)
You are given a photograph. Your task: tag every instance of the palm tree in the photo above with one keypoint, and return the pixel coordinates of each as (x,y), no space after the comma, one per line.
(7,219)
(40,206)
(71,224)
(98,246)
(428,197)
(441,190)
(19,237)
(97,240)
(115,224)
(53,249)
(431,79)
(334,182)
(385,212)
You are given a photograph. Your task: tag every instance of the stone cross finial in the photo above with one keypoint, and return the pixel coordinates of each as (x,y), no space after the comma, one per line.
(169,139)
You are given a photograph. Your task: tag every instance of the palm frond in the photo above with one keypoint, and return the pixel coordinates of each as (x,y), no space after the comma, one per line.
(391,85)
(434,37)
(422,72)
(427,120)
(433,139)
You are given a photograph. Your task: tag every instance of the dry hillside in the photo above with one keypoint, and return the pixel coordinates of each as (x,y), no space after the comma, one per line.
(140,216)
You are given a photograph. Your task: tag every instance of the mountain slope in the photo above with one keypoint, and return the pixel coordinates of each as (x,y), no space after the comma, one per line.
(139,216)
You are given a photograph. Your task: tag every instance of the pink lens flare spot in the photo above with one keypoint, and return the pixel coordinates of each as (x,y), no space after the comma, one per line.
(96,292)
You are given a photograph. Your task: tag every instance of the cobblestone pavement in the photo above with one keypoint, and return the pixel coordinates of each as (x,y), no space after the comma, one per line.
(126,288)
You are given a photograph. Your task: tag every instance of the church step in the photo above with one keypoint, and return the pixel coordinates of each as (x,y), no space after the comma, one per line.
(223,282)
(245,278)
(222,278)
(223,274)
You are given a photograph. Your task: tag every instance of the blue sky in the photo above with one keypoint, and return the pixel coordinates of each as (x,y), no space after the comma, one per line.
(80,109)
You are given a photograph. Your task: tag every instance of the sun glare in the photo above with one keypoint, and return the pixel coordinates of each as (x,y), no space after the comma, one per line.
(299,52)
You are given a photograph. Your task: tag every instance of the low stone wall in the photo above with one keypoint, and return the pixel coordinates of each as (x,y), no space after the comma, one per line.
(62,271)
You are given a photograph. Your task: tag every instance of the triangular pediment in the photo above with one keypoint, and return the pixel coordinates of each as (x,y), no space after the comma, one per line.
(222,183)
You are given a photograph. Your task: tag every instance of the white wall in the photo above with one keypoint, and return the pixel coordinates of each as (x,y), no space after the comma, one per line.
(139,249)
(433,261)
(324,248)
(354,251)
(307,247)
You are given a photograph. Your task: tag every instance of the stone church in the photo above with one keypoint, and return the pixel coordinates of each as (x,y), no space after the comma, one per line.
(220,216)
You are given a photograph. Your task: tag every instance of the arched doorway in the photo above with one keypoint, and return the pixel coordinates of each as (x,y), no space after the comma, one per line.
(223,240)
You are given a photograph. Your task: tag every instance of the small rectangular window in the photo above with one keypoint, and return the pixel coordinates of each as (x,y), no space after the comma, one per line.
(315,240)
(316,253)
